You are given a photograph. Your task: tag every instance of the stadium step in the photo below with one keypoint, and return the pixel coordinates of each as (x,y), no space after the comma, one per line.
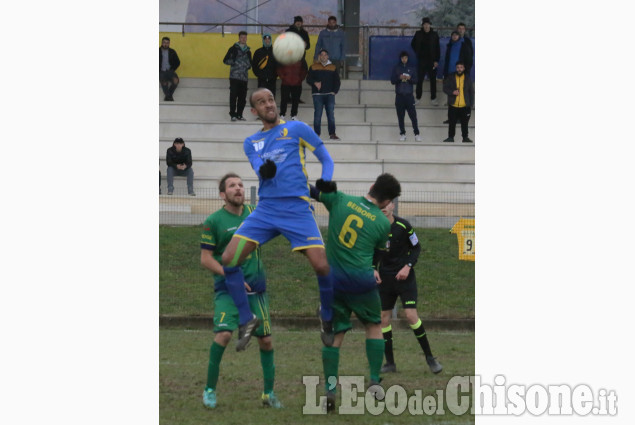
(219,111)
(347,169)
(386,150)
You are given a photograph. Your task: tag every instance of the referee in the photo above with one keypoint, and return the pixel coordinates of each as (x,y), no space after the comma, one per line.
(397,279)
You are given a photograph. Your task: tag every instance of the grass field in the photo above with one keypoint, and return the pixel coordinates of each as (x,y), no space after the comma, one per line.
(183,370)
(445,284)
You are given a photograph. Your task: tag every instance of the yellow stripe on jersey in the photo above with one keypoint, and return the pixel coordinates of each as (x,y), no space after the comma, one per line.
(300,248)
(304,144)
(401,224)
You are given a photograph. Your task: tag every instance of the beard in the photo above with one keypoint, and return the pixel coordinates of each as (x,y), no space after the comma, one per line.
(459,73)
(234,202)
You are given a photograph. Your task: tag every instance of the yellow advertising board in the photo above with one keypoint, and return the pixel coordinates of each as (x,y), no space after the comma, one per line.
(464,230)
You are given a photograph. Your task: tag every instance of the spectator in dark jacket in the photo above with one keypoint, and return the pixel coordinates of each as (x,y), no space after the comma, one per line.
(168,64)
(264,65)
(297,28)
(460,90)
(291,77)
(404,76)
(325,83)
(469,57)
(425,43)
(457,51)
(238,57)
(179,160)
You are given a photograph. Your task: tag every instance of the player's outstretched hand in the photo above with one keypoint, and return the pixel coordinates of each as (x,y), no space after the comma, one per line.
(268,169)
(326,186)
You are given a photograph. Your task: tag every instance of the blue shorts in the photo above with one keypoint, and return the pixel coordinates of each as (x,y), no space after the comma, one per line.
(291,217)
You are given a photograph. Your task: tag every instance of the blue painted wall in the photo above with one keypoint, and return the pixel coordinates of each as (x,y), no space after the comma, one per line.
(383,54)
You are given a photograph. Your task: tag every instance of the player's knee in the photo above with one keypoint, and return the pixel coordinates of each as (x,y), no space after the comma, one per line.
(266,344)
(223,338)
(411,316)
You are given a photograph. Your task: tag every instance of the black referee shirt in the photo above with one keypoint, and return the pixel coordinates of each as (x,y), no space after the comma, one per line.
(403,248)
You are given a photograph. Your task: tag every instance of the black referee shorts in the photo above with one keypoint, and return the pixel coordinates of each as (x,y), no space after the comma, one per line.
(392,288)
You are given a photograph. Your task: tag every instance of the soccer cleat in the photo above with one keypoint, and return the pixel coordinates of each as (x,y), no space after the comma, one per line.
(209,398)
(467,140)
(434,102)
(245,331)
(330,402)
(449,140)
(402,138)
(418,138)
(435,366)
(270,400)
(326,330)
(376,390)
(389,368)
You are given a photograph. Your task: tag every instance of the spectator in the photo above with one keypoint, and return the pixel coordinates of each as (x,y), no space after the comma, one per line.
(238,57)
(425,43)
(179,160)
(297,28)
(332,39)
(403,77)
(291,77)
(468,60)
(457,51)
(460,90)
(168,64)
(325,83)
(264,65)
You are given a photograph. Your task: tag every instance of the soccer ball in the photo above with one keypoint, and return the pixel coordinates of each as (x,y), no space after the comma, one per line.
(288,48)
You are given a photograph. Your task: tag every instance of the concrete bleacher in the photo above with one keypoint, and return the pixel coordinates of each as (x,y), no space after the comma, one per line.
(367,125)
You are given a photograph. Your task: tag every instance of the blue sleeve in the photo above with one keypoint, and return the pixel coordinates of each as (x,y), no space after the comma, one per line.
(252,155)
(327,162)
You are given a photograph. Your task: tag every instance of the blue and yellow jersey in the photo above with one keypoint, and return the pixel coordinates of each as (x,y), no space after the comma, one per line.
(356,228)
(218,230)
(286,144)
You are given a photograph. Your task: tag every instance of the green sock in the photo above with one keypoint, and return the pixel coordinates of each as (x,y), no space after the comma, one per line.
(375,354)
(215,356)
(330,362)
(268,369)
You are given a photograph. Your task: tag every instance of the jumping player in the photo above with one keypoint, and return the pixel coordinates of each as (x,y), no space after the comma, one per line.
(357,228)
(397,277)
(277,155)
(217,232)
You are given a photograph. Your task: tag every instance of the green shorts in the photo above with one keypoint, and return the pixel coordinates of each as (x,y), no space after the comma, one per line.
(226,314)
(366,306)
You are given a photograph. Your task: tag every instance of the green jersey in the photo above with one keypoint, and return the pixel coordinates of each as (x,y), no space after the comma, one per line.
(218,230)
(356,228)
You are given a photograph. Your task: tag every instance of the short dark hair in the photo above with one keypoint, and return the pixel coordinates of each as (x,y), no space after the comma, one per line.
(242,33)
(332,17)
(165,38)
(178,140)
(221,183)
(385,188)
(251,98)
(459,63)
(461,24)
(297,19)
